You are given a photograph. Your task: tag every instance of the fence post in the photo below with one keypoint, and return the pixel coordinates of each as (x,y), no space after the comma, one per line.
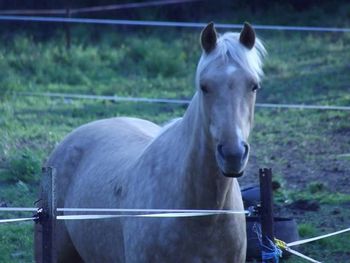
(267,221)
(45,228)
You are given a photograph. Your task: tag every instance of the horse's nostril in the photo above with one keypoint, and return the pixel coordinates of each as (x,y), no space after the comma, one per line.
(220,150)
(246,150)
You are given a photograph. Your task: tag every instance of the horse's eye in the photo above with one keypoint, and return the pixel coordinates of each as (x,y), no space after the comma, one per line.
(204,89)
(255,87)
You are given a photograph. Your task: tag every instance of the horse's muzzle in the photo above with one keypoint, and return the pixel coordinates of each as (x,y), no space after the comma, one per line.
(232,160)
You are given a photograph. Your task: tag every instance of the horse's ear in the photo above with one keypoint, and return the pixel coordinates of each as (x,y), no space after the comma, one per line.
(208,38)
(247,36)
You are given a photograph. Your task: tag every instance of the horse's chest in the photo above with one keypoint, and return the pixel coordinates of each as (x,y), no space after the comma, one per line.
(185,240)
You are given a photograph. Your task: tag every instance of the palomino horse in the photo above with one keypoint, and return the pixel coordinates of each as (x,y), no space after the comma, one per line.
(192,163)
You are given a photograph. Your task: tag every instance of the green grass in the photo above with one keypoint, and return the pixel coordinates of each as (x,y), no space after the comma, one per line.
(16,242)
(301,146)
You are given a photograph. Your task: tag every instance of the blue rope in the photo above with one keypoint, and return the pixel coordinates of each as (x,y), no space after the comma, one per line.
(267,252)
(275,253)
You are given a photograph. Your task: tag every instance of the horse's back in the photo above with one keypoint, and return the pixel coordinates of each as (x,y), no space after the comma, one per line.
(97,142)
(89,157)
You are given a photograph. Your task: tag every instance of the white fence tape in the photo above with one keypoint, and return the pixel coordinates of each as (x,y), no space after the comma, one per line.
(286,246)
(304,241)
(155,213)
(160,215)
(17,220)
(18,209)
(158,211)
(296,253)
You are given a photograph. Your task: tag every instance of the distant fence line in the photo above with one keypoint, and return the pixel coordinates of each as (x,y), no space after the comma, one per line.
(165,23)
(176,101)
(92,8)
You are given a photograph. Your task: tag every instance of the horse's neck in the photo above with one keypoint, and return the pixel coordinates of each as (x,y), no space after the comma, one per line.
(193,163)
(213,189)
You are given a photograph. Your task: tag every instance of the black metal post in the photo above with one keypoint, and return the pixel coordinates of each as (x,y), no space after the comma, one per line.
(267,221)
(45,229)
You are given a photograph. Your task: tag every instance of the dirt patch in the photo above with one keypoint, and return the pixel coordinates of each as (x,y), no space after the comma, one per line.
(322,156)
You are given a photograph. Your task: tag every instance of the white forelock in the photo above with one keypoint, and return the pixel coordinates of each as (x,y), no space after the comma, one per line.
(231,50)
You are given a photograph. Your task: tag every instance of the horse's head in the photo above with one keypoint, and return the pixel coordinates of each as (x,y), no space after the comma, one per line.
(227,80)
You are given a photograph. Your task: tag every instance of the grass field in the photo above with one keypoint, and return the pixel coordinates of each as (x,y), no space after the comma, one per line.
(309,150)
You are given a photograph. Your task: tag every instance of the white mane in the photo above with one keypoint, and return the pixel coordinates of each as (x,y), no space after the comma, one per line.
(229,48)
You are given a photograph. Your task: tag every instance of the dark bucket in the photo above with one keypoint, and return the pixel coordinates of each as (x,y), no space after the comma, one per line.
(285,229)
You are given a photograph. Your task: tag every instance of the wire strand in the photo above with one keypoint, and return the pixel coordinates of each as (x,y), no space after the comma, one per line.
(165,23)
(176,101)
(93,8)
